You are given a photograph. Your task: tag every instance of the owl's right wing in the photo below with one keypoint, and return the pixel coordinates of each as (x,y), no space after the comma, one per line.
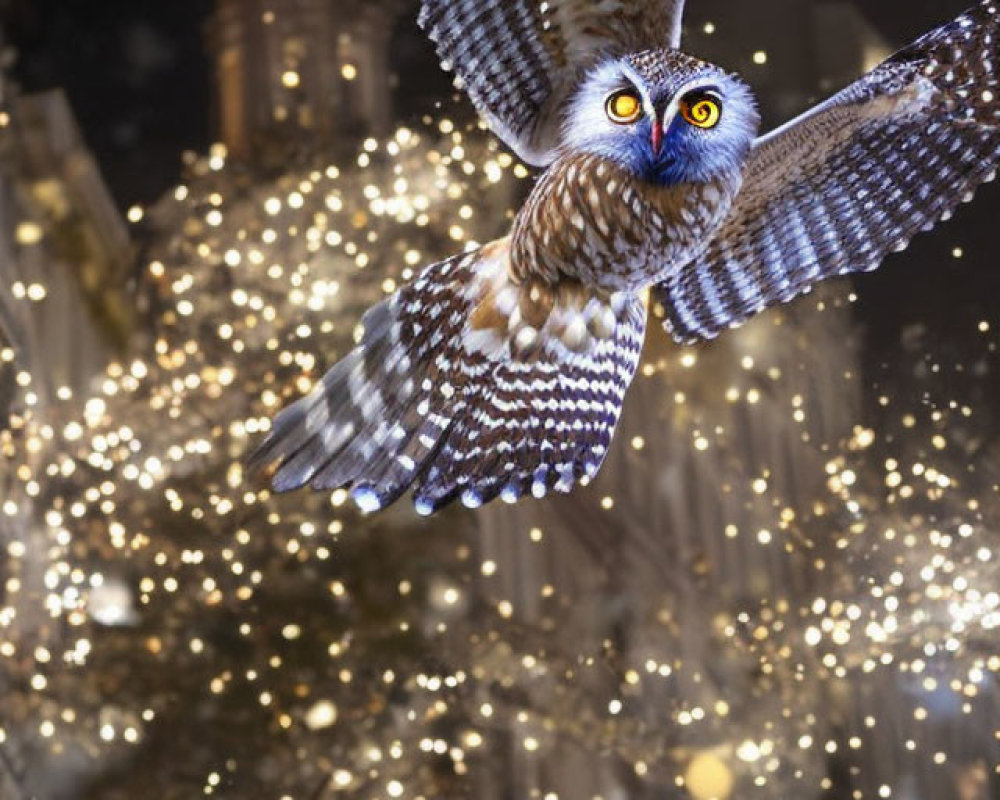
(520,60)
(838,189)
(465,386)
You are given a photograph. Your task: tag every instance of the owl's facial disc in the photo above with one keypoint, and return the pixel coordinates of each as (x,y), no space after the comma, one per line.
(708,125)
(610,114)
(665,117)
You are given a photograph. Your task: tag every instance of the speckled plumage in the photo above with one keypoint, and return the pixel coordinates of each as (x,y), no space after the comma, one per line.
(503,372)
(588,220)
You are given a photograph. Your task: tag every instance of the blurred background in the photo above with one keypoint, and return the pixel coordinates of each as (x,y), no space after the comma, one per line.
(784,584)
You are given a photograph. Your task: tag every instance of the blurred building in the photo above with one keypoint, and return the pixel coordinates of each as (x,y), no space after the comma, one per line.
(64,263)
(64,249)
(305,73)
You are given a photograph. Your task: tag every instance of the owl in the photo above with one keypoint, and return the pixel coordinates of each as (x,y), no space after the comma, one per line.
(501,373)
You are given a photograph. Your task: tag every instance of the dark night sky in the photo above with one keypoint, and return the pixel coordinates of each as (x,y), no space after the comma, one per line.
(137,76)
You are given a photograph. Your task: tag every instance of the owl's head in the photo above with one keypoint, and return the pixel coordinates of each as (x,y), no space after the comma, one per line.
(665,116)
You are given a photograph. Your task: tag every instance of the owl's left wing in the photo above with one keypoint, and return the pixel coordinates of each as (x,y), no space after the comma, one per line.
(520,60)
(837,190)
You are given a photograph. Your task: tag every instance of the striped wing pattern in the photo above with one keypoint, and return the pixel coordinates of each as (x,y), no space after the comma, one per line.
(416,404)
(527,427)
(838,189)
(519,60)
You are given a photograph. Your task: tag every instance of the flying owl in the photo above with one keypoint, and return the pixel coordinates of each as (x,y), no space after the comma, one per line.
(502,372)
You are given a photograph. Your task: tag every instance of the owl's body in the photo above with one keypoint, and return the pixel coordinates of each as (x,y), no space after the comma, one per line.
(618,212)
(503,372)
(587,220)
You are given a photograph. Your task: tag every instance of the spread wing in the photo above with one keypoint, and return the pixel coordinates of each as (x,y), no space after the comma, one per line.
(838,189)
(519,60)
(438,396)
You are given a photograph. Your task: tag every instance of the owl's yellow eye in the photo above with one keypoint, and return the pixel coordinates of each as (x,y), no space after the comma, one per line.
(702,110)
(624,108)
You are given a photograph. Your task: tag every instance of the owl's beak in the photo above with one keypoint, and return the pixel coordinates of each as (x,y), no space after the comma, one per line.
(657,138)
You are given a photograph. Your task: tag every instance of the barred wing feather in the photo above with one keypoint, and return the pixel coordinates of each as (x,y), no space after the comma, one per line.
(447,395)
(835,191)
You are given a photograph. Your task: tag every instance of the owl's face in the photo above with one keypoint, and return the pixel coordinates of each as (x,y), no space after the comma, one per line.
(665,116)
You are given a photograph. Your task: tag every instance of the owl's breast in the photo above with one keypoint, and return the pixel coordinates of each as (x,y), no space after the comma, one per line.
(591,221)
